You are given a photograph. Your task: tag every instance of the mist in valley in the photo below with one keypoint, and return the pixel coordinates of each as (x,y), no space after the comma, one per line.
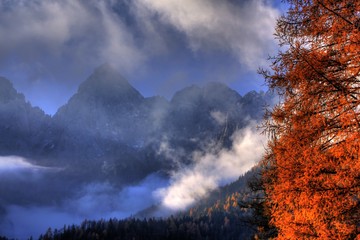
(35,198)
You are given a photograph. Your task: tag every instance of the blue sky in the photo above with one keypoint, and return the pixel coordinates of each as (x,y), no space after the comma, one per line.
(48,47)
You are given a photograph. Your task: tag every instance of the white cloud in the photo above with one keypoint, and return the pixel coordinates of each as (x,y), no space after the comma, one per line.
(212,169)
(219,117)
(246,30)
(15,163)
(120,48)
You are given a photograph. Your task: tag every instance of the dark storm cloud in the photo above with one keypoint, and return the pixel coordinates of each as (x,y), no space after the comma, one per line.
(76,31)
(97,29)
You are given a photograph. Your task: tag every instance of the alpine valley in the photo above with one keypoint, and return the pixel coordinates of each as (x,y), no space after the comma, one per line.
(110,153)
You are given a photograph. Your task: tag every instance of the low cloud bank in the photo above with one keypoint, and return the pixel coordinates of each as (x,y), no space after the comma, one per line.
(213,168)
(100,200)
(33,215)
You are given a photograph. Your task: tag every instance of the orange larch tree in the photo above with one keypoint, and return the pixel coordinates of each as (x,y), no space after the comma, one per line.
(312,167)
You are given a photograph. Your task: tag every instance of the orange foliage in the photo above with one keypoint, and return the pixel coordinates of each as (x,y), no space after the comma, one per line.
(312,176)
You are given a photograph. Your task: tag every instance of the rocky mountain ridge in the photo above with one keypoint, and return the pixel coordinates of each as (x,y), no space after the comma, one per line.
(110,128)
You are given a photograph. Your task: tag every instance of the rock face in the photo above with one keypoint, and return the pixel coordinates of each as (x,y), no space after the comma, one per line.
(105,106)
(102,114)
(204,113)
(108,129)
(21,125)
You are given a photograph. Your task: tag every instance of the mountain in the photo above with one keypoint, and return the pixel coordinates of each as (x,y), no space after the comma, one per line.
(109,138)
(21,125)
(211,113)
(110,128)
(105,125)
(8,92)
(105,106)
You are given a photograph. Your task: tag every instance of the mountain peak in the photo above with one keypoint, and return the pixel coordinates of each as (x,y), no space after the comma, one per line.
(103,76)
(211,93)
(216,91)
(105,81)
(105,68)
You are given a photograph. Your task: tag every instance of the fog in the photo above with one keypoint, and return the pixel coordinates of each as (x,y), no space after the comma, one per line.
(44,198)
(213,168)
(98,200)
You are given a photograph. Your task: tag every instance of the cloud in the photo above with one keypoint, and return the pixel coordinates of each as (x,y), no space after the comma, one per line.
(60,201)
(91,32)
(92,201)
(22,222)
(175,157)
(103,200)
(219,117)
(81,32)
(246,29)
(212,169)
(48,47)
(16,163)
(95,200)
